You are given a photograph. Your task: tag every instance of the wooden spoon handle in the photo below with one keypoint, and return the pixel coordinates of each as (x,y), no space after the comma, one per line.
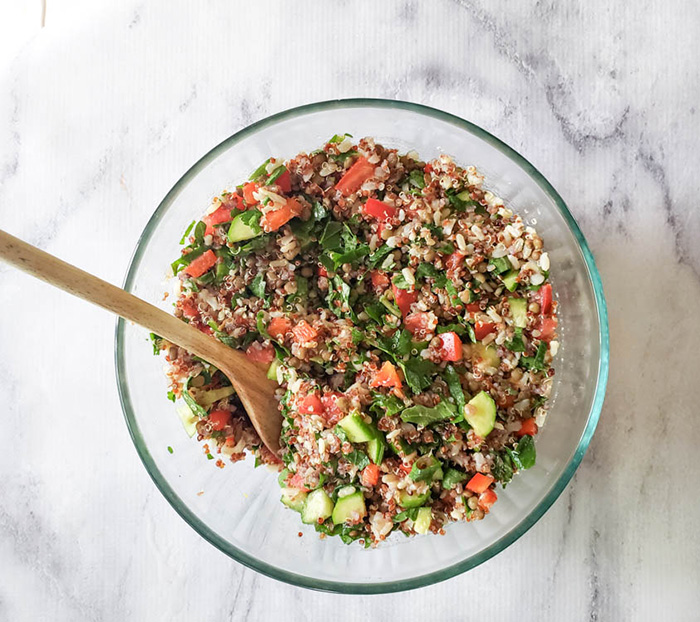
(88,287)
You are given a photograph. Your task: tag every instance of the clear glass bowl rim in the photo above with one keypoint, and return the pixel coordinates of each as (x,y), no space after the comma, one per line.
(433,577)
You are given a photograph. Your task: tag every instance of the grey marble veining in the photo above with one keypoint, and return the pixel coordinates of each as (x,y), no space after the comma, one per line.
(100,116)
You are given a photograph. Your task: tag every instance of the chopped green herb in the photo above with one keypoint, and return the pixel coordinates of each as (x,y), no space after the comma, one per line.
(187,232)
(535,362)
(423,415)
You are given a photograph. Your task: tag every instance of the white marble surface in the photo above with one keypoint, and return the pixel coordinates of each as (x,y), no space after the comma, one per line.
(102,112)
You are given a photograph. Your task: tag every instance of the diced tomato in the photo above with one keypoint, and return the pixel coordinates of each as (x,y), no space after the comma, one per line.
(221,215)
(450,347)
(322,271)
(380,280)
(528,428)
(260,353)
(454,261)
(282,215)
(279,327)
(303,332)
(297,481)
(219,419)
(418,324)
(201,264)
(481,329)
(284,182)
(248,190)
(333,413)
(387,376)
(428,168)
(370,475)
(480,482)
(379,210)
(189,308)
(404,298)
(487,499)
(547,327)
(311,405)
(545,295)
(355,176)
(473,307)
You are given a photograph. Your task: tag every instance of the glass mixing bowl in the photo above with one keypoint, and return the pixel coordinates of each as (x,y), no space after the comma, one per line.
(239,511)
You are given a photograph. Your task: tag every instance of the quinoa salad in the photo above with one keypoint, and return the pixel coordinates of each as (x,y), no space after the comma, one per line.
(406,315)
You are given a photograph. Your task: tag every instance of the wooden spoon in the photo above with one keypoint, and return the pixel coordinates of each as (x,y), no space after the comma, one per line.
(249,379)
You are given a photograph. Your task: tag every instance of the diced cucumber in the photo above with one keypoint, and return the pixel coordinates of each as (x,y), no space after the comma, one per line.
(408,501)
(318,507)
(272,370)
(518,310)
(465,196)
(487,354)
(375,448)
(243,227)
(423,520)
(481,413)
(210,396)
(452,478)
(282,478)
(510,280)
(189,421)
(400,447)
(294,499)
(424,469)
(349,508)
(356,429)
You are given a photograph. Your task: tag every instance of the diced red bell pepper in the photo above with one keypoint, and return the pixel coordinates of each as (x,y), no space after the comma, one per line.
(311,405)
(219,419)
(234,201)
(284,182)
(220,216)
(273,220)
(545,296)
(479,483)
(528,428)
(481,329)
(418,324)
(379,210)
(333,413)
(450,347)
(487,499)
(380,280)
(404,298)
(370,475)
(387,376)
(248,190)
(355,176)
(454,261)
(260,353)
(201,264)
(322,271)
(279,327)
(303,332)
(189,308)
(473,307)
(547,327)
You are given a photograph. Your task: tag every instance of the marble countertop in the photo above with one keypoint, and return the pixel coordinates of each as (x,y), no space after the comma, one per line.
(100,114)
